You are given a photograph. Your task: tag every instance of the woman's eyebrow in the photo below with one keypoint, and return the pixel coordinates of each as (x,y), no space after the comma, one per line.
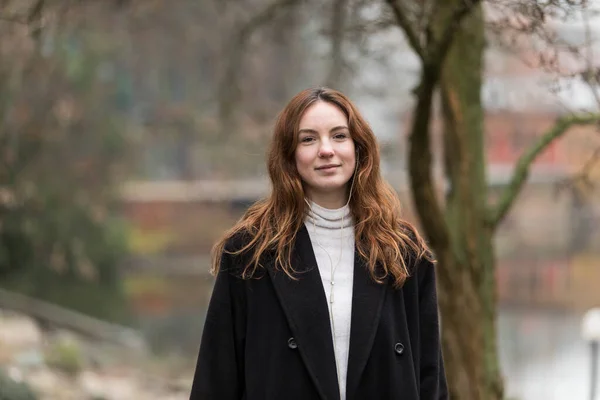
(307,130)
(336,128)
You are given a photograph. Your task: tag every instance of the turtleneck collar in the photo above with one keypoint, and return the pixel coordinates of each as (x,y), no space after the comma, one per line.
(329,218)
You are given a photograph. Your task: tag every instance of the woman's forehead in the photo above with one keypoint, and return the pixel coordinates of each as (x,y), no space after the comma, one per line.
(323,115)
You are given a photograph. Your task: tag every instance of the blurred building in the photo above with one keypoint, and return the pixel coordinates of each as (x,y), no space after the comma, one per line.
(549,245)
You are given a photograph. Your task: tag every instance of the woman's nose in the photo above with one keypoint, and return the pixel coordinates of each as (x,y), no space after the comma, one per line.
(325,150)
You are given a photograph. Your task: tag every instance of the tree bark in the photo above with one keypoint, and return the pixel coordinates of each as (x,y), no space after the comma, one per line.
(469,326)
(458,233)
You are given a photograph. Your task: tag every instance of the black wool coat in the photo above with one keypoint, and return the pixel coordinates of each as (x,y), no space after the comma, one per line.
(270,337)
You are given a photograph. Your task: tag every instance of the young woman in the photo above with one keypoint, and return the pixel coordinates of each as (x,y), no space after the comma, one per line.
(322,291)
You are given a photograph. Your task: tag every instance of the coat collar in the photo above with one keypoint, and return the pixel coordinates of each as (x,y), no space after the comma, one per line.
(305,306)
(367,300)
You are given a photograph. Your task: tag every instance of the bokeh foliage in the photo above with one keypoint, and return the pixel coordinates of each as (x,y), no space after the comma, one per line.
(63,148)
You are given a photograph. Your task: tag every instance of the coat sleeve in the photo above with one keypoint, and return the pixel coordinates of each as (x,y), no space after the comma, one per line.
(433,377)
(219,373)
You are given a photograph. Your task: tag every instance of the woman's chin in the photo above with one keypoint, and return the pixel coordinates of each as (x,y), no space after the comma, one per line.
(329,187)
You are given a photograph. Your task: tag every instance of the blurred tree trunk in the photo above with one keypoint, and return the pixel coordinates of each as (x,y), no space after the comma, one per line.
(461,230)
(338,29)
(458,232)
(468,293)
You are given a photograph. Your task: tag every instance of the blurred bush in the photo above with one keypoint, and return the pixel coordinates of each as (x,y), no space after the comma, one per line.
(63,149)
(66,356)
(11,390)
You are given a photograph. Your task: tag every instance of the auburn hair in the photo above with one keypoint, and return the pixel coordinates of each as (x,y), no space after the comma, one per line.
(382,237)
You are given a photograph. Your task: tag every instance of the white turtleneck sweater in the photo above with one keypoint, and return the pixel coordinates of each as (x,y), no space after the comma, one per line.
(324,228)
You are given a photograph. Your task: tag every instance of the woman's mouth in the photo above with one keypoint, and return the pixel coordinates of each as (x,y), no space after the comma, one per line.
(327,167)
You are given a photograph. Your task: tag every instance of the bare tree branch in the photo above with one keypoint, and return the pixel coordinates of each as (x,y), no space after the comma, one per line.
(338,28)
(34,18)
(583,177)
(13,18)
(429,52)
(432,53)
(36,11)
(228,90)
(422,183)
(265,16)
(496,214)
(408,28)
(33,15)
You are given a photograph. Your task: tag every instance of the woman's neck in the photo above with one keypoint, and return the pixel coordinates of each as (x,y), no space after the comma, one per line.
(329,219)
(331,201)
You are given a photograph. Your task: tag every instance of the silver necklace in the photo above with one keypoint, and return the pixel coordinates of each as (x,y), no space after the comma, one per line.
(332,270)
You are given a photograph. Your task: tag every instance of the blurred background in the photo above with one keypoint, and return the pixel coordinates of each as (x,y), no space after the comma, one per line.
(133,134)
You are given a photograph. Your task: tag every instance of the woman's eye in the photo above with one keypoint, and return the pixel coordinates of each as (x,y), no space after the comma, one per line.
(341,136)
(306,139)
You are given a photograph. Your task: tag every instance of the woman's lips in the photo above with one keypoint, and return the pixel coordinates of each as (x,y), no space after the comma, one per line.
(328,167)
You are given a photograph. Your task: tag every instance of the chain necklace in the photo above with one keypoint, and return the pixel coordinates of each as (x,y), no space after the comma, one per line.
(332,269)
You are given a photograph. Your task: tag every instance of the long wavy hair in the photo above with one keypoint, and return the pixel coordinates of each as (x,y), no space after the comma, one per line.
(382,237)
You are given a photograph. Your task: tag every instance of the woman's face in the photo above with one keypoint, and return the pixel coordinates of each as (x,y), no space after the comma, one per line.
(325,154)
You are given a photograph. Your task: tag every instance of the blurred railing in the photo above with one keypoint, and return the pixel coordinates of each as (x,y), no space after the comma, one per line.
(60,317)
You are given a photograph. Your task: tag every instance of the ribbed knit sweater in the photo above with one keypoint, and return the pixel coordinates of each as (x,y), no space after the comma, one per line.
(327,238)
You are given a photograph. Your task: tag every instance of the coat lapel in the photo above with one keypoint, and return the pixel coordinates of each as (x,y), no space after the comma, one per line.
(304,303)
(367,300)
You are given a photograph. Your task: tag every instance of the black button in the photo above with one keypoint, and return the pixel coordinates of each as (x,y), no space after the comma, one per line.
(292,343)
(399,348)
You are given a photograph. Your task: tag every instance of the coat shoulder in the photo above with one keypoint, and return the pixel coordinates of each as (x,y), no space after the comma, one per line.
(238,255)
(418,255)
(234,256)
(237,241)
